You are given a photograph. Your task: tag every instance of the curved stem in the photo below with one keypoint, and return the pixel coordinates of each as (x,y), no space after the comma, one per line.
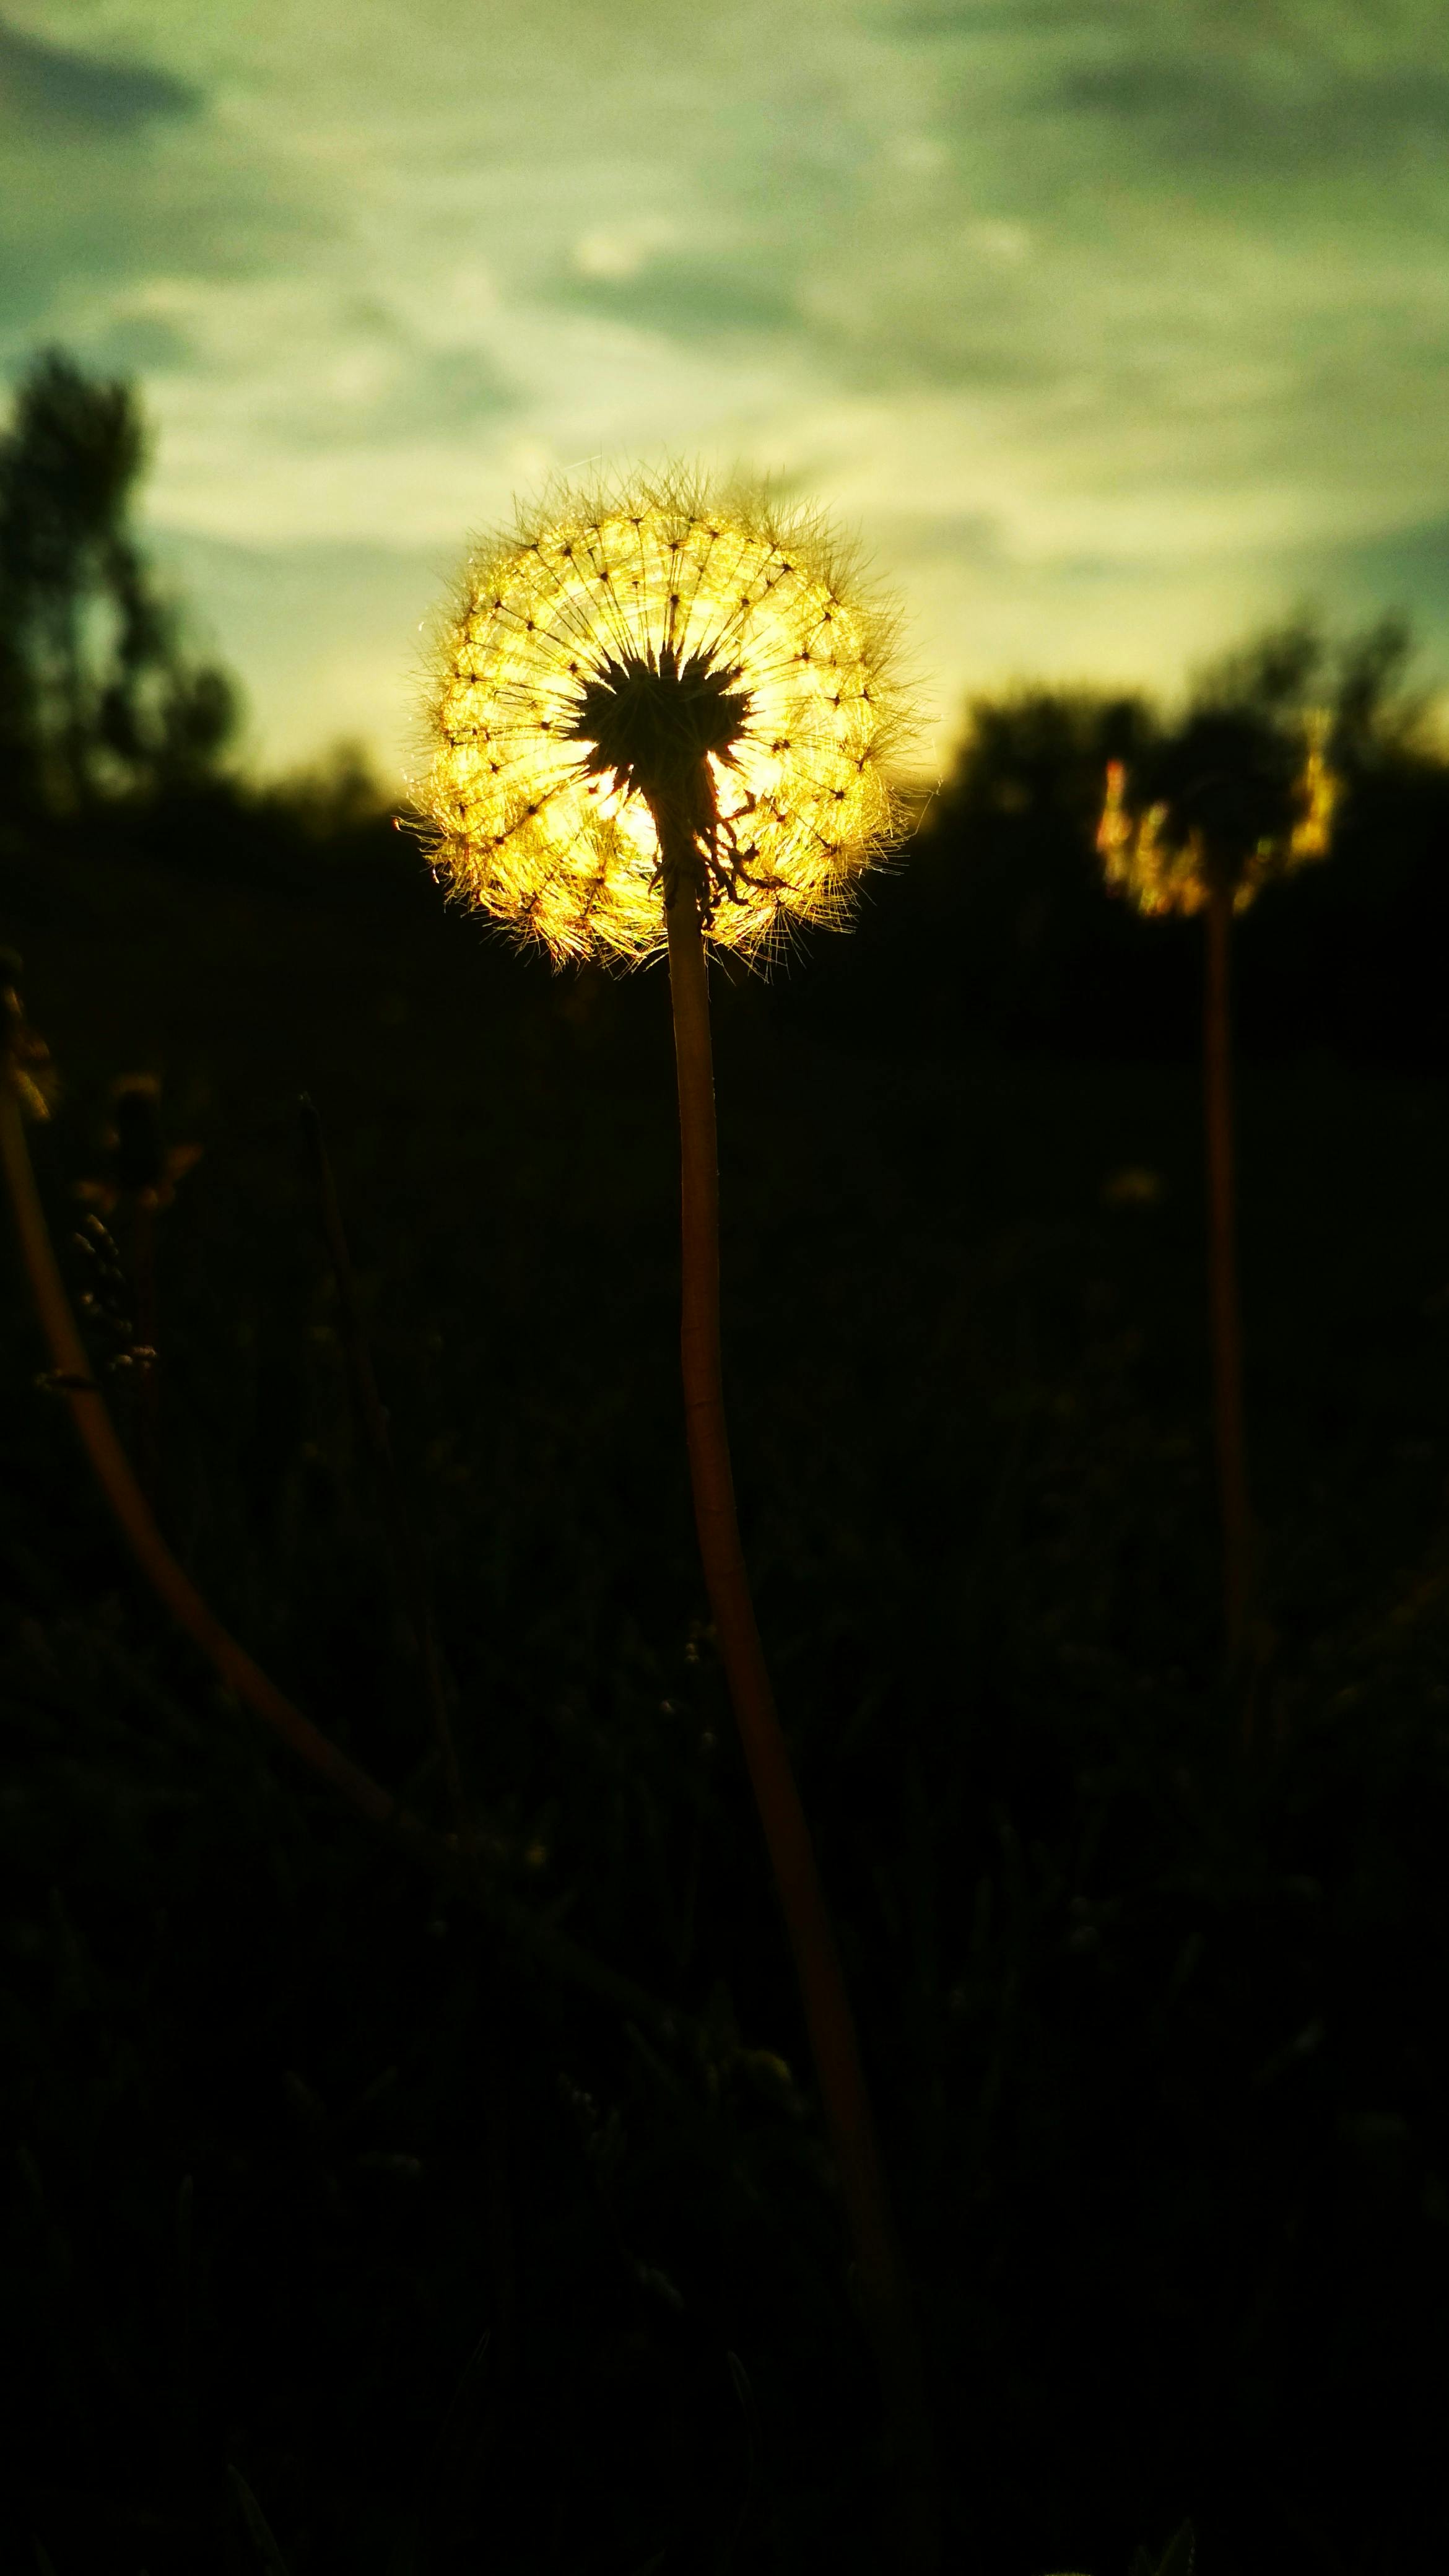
(459,1872)
(787,1835)
(118,1483)
(1223,1275)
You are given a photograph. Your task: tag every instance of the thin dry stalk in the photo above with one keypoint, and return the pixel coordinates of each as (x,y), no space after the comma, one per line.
(148,1391)
(828,2015)
(535,1936)
(114,1473)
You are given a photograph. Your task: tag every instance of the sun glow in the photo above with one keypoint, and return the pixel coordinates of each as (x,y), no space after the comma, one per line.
(743,616)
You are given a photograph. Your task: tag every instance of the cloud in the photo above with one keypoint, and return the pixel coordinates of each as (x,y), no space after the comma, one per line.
(942,21)
(1252,110)
(379,392)
(1406,569)
(105,207)
(135,344)
(1135,92)
(685,299)
(55,87)
(1407,563)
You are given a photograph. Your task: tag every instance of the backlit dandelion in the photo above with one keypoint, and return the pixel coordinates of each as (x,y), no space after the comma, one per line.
(647,675)
(662,721)
(1240,794)
(1228,804)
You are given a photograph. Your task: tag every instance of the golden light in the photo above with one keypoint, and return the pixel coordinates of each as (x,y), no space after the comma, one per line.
(1319,791)
(1164,865)
(737,606)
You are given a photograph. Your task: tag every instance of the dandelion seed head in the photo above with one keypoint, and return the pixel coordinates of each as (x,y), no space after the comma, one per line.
(627,633)
(1241,805)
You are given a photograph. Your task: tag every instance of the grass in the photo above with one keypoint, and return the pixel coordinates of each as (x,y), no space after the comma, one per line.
(1155,2036)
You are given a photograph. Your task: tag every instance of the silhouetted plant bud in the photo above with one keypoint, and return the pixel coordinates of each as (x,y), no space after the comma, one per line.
(139,1164)
(140,1155)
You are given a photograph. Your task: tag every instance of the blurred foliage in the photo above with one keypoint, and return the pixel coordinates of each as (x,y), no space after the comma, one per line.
(97,694)
(335,801)
(1243,787)
(314,2180)
(1360,681)
(996,927)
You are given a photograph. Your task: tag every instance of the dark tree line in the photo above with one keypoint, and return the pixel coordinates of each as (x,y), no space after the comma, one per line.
(99,697)
(996,925)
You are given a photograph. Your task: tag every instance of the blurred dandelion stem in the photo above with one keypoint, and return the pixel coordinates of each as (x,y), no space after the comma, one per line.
(828,2015)
(1227,1349)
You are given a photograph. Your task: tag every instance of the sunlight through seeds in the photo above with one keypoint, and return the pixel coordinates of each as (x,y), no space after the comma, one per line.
(744,624)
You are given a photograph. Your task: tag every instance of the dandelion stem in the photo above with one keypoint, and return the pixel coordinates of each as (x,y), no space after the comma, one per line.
(1223,1274)
(787,1835)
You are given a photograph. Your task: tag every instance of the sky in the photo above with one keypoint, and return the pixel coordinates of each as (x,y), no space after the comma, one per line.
(1114,327)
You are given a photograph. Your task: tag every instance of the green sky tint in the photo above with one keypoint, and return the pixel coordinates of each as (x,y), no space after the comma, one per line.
(1114,324)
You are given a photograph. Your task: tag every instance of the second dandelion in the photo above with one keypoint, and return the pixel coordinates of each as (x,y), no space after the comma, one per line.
(1238,795)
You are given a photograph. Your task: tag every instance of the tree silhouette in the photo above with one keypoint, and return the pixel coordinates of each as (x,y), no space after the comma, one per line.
(97,695)
(1002,894)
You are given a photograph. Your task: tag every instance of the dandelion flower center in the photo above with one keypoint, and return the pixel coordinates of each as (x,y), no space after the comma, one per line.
(652,718)
(654,675)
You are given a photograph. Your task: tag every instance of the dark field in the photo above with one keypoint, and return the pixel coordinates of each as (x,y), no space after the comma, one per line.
(1156,2019)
